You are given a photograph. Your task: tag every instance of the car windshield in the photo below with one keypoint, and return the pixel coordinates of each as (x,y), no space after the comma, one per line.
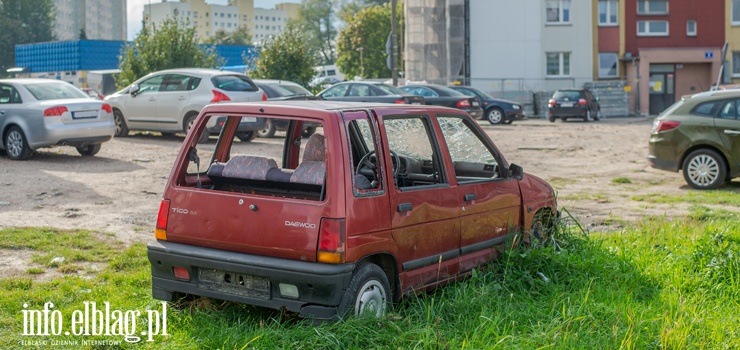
(296,90)
(570,94)
(233,83)
(391,90)
(54,91)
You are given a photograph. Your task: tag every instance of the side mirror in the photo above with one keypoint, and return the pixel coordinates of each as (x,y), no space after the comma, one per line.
(516,172)
(134,90)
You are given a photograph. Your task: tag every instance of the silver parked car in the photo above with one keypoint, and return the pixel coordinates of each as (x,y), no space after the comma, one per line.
(169,101)
(37,113)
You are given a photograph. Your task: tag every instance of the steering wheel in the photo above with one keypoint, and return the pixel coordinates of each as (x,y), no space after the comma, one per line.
(365,162)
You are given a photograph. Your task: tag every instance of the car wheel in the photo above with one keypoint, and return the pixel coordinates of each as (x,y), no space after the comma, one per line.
(307,132)
(189,123)
(508,121)
(268,130)
(88,150)
(246,136)
(495,115)
(542,230)
(551,119)
(588,116)
(368,293)
(704,169)
(121,127)
(16,145)
(598,114)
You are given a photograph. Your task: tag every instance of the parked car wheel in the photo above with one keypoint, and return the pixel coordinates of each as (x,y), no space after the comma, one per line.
(308,131)
(598,114)
(189,123)
(121,127)
(587,118)
(495,115)
(551,119)
(704,169)
(368,293)
(246,136)
(542,230)
(16,144)
(268,130)
(88,150)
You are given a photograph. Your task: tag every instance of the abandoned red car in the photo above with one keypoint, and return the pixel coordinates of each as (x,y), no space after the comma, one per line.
(381,201)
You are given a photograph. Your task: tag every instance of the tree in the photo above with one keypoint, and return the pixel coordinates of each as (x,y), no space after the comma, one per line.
(171,44)
(350,7)
(317,17)
(240,36)
(82,35)
(287,56)
(23,22)
(365,34)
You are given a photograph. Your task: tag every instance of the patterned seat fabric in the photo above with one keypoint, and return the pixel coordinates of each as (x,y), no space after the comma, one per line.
(312,169)
(248,167)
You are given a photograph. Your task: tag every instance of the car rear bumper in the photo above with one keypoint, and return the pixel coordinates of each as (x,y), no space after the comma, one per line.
(475,113)
(662,164)
(57,133)
(243,126)
(250,279)
(560,112)
(516,114)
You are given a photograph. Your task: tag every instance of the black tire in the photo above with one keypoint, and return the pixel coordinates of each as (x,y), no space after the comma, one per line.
(368,287)
(508,122)
(88,150)
(307,132)
(587,118)
(188,123)
(495,115)
(246,136)
(704,169)
(598,115)
(268,131)
(551,119)
(120,121)
(16,144)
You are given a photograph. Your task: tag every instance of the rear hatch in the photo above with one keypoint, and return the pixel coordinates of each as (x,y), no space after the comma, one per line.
(566,103)
(76,111)
(237,87)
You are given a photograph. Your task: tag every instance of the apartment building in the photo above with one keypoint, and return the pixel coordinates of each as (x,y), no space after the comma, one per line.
(99,19)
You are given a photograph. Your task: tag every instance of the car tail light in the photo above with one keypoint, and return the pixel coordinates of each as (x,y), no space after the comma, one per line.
(665,125)
(219,97)
(463,103)
(551,103)
(401,101)
(582,102)
(331,241)
(55,111)
(160,232)
(264,96)
(181,273)
(107,108)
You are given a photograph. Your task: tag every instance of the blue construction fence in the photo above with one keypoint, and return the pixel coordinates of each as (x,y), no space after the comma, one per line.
(77,55)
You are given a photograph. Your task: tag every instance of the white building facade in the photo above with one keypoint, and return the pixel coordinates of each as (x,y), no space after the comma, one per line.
(99,19)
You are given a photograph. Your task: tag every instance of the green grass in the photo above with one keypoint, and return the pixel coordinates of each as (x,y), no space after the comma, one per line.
(660,283)
(719,197)
(621,180)
(582,196)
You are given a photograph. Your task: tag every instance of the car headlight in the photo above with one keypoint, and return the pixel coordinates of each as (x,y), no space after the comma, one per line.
(516,106)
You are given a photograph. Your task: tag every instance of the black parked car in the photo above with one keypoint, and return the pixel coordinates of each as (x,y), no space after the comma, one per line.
(573,103)
(283,90)
(443,96)
(495,110)
(367,91)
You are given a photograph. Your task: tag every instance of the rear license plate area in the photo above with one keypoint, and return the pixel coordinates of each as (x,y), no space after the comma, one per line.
(234,283)
(85,114)
(566,104)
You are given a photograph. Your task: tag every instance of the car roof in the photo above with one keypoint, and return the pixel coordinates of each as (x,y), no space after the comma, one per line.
(275,81)
(201,71)
(32,81)
(318,105)
(721,93)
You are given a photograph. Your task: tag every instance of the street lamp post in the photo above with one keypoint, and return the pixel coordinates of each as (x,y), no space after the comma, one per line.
(362,68)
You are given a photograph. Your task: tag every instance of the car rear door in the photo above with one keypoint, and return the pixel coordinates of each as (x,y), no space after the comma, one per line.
(424,208)
(173,98)
(727,126)
(490,203)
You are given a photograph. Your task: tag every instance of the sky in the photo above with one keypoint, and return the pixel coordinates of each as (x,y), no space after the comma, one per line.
(135,11)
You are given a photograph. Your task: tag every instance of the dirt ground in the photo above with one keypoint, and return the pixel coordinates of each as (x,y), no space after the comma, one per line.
(118,191)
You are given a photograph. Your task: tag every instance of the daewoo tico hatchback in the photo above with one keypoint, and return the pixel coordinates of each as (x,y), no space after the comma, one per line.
(381,201)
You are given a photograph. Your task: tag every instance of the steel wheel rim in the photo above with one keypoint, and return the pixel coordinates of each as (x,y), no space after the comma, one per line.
(14,143)
(703,170)
(371,298)
(494,116)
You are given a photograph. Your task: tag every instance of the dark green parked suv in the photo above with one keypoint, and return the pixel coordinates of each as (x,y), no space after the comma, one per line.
(700,135)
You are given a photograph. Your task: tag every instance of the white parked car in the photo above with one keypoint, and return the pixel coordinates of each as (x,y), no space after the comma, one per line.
(37,113)
(169,101)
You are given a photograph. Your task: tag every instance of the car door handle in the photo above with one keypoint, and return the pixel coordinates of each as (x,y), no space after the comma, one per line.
(470,197)
(181,98)
(403,207)
(732,132)
(152,99)
(2,113)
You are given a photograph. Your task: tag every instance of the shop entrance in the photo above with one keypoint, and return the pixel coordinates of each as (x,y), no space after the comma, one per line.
(662,87)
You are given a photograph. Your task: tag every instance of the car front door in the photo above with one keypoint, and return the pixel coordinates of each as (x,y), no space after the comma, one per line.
(140,108)
(424,207)
(490,203)
(727,125)
(172,99)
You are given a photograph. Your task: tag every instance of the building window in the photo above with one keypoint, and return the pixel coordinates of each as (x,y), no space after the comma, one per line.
(608,65)
(558,64)
(736,63)
(736,12)
(691,27)
(652,7)
(652,28)
(558,11)
(608,12)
